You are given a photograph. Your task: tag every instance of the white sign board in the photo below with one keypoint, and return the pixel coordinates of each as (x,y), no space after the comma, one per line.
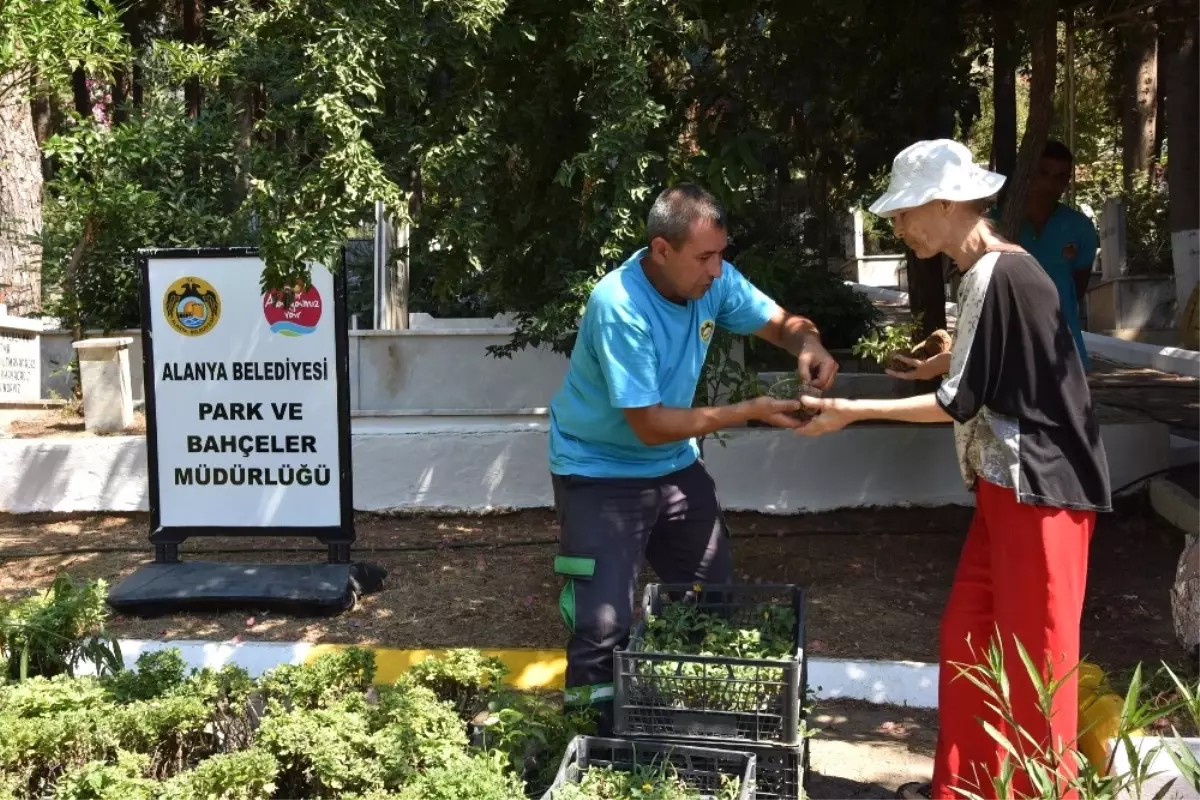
(20,359)
(248,426)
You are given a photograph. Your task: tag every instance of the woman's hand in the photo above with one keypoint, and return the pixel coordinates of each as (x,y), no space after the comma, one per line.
(832,414)
(773,411)
(924,370)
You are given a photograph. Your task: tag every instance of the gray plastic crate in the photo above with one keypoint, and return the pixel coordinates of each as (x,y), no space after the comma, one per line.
(780,771)
(700,768)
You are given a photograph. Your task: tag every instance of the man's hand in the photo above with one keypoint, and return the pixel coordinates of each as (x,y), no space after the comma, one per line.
(815,365)
(924,370)
(800,337)
(832,414)
(773,411)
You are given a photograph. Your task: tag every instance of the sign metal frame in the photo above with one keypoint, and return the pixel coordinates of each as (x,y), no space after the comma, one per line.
(166,539)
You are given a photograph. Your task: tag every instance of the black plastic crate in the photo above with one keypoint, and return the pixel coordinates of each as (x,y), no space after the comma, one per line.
(780,771)
(713,698)
(700,768)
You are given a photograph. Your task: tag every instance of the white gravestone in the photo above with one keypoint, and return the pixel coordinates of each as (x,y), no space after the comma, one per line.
(20,360)
(107,388)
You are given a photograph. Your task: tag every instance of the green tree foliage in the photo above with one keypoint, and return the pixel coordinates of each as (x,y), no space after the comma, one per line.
(523,139)
(43,41)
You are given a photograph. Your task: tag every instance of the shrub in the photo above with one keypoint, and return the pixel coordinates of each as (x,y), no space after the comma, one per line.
(98,780)
(464,678)
(415,731)
(39,697)
(325,682)
(36,751)
(50,633)
(171,730)
(467,777)
(246,775)
(533,733)
(158,673)
(318,730)
(322,752)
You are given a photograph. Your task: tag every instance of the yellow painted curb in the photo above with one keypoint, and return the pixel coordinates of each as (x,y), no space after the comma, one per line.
(528,668)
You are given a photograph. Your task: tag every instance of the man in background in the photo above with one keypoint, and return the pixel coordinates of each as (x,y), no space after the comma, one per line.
(1062,239)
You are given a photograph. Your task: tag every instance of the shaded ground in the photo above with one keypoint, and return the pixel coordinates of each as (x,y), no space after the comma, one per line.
(64,422)
(876,581)
(863,750)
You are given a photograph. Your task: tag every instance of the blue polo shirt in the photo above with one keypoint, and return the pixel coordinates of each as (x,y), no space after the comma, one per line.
(635,348)
(1066,245)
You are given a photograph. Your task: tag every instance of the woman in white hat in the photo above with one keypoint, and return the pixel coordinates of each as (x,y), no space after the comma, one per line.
(1028,445)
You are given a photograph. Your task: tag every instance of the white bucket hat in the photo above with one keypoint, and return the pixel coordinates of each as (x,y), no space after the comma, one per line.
(938,169)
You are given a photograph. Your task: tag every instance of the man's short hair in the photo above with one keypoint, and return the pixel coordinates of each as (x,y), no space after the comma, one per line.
(677,209)
(1058,151)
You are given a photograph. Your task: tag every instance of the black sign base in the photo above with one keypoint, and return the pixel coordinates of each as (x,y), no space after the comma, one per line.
(295,589)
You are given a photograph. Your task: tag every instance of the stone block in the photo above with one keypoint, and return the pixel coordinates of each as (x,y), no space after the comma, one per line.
(107,387)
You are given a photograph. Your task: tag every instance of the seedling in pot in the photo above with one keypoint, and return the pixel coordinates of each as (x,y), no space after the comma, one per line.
(938,342)
(793,389)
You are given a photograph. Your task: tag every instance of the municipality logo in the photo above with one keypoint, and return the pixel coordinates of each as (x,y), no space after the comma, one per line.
(192,306)
(706,330)
(294,311)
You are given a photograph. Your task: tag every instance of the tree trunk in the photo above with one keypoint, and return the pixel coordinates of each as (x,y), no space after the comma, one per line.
(1139,100)
(43,113)
(20,202)
(1183,142)
(1160,112)
(1004,95)
(1042,25)
(193,33)
(81,93)
(132,20)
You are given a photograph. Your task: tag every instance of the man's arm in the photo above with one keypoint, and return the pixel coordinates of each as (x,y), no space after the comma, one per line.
(1084,259)
(630,366)
(1083,277)
(789,331)
(658,424)
(800,337)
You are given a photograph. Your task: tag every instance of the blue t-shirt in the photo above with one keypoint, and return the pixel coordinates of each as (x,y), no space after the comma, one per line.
(636,348)
(1066,245)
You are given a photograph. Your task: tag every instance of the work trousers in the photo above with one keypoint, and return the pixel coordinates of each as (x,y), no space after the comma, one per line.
(607,526)
(1022,573)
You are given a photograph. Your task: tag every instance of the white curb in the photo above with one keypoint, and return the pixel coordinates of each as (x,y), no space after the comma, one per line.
(903,683)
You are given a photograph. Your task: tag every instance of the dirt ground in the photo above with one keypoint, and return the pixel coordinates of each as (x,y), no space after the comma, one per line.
(864,750)
(876,580)
(64,422)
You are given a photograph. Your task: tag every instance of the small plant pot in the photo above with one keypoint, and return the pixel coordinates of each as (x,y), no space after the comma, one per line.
(793,389)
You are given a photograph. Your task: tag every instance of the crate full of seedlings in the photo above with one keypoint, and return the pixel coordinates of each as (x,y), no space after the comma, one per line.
(724,663)
(595,767)
(780,771)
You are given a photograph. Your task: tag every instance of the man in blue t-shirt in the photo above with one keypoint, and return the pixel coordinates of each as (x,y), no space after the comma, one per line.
(1062,239)
(624,459)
